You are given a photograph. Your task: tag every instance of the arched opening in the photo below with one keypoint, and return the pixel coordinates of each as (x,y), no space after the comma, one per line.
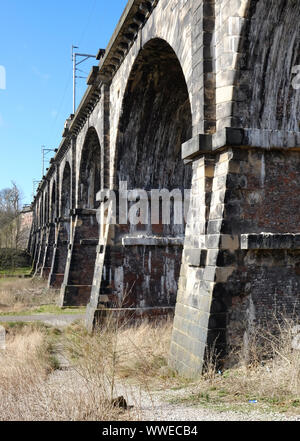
(89,177)
(41,207)
(156,119)
(270,42)
(46,208)
(50,232)
(53,202)
(80,266)
(63,230)
(66,192)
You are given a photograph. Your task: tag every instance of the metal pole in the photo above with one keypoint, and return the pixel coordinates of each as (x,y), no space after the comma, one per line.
(74,83)
(74,59)
(43,160)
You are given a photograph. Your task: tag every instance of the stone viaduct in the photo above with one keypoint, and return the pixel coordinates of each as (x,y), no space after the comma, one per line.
(190,94)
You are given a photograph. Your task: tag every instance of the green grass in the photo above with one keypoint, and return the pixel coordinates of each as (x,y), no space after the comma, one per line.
(45,309)
(15,272)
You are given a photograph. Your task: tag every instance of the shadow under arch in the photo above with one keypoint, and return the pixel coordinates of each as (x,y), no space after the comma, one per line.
(50,233)
(39,249)
(43,233)
(65,201)
(269,48)
(89,182)
(79,272)
(62,238)
(46,208)
(41,212)
(142,266)
(53,203)
(156,119)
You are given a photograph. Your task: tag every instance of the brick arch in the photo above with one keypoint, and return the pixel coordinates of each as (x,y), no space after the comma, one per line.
(156,88)
(163,31)
(156,119)
(41,212)
(257,46)
(46,207)
(66,190)
(270,44)
(53,202)
(89,178)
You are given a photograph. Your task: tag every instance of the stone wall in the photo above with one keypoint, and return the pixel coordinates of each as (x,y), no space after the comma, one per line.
(195,95)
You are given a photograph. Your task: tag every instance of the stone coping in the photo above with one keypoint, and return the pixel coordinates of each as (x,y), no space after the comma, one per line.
(270,241)
(235,137)
(152,241)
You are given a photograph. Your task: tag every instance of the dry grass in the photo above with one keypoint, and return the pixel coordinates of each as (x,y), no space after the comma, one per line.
(115,361)
(30,389)
(270,369)
(137,353)
(102,364)
(267,371)
(19,294)
(124,360)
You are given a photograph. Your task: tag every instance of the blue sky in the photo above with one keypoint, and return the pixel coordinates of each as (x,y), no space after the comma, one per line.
(35,49)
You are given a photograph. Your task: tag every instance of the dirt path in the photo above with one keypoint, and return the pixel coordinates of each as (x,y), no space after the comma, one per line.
(59,320)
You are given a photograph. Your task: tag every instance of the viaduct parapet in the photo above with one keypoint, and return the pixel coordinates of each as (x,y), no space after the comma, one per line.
(198,95)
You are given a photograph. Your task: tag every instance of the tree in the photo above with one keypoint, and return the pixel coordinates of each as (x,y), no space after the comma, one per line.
(10,220)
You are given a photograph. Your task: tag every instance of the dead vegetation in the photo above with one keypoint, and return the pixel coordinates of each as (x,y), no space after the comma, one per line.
(32,390)
(18,294)
(105,368)
(264,373)
(136,353)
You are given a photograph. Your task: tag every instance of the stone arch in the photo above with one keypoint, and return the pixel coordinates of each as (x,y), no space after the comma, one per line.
(270,48)
(50,230)
(46,208)
(156,119)
(41,211)
(80,264)
(63,233)
(53,202)
(156,111)
(89,182)
(66,187)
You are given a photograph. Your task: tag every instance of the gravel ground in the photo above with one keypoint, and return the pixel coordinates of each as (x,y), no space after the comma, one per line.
(154,406)
(157,408)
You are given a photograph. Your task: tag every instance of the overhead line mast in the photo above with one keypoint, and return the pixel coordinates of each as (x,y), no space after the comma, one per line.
(76,63)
